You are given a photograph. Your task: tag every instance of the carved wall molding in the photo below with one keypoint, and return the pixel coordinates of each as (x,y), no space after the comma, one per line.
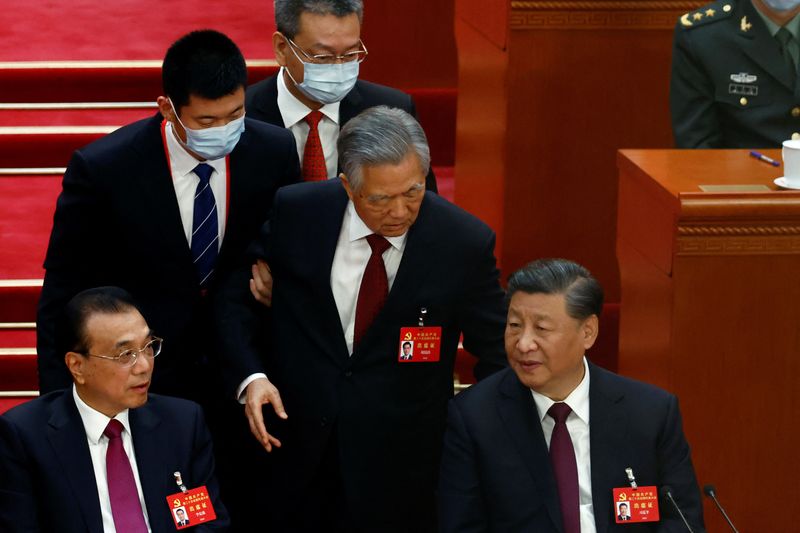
(737,230)
(746,245)
(609,15)
(620,5)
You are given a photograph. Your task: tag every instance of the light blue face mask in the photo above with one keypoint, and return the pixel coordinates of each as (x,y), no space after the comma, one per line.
(326,83)
(782,5)
(212,143)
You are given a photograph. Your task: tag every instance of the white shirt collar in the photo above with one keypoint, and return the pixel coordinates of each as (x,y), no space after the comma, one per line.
(578,399)
(95,422)
(358,230)
(182,163)
(293,110)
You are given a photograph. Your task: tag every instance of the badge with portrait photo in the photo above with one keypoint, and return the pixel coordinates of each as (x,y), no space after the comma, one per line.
(191,507)
(419,344)
(632,506)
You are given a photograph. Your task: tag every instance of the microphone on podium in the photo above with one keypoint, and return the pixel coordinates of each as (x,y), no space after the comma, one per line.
(711,492)
(666,493)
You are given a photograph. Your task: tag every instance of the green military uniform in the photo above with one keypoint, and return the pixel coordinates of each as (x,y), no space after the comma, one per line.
(732,86)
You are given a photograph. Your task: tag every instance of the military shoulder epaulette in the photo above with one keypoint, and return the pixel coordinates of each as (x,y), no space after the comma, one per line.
(707,14)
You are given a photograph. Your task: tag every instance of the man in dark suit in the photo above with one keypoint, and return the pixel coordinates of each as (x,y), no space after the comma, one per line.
(164,207)
(102,455)
(540,446)
(734,75)
(125,214)
(355,261)
(180,515)
(623,512)
(318,45)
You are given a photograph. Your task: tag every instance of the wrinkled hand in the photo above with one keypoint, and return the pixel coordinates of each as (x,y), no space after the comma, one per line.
(261,282)
(260,392)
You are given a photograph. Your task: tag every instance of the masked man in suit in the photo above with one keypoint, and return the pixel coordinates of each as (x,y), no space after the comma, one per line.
(358,263)
(317,91)
(540,446)
(735,75)
(101,455)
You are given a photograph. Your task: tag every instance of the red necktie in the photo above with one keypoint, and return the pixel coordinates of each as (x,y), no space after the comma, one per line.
(565,468)
(125,506)
(374,287)
(314,168)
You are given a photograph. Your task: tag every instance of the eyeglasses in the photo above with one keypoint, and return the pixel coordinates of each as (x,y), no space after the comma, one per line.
(383,200)
(129,357)
(330,59)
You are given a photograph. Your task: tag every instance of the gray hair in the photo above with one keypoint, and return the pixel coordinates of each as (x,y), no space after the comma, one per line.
(380,136)
(583,293)
(287,12)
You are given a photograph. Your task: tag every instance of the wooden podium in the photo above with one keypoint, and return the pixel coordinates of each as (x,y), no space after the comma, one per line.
(709,257)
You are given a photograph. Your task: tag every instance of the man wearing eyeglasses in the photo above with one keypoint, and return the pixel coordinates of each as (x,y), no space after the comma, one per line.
(317,90)
(100,456)
(360,263)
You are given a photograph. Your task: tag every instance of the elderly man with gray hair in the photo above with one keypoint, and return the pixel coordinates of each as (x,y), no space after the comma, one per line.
(361,265)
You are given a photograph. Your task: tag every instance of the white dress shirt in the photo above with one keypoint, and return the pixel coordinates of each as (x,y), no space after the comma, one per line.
(294,112)
(578,427)
(94,423)
(182,165)
(349,262)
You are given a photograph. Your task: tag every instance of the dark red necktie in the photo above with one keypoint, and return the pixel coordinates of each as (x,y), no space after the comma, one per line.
(374,287)
(565,468)
(125,506)
(314,168)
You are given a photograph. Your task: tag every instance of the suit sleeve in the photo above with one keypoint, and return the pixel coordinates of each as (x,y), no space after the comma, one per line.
(677,471)
(483,314)
(203,471)
(17,504)
(461,506)
(692,103)
(72,258)
(243,323)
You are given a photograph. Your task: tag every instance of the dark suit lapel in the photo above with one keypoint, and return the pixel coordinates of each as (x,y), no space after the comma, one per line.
(762,47)
(155,182)
(67,436)
(149,444)
(328,326)
(267,104)
(517,410)
(608,429)
(351,105)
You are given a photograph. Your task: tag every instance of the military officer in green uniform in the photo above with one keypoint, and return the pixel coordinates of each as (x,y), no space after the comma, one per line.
(734,75)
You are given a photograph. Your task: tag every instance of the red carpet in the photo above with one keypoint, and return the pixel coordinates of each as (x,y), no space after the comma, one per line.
(28,203)
(49,30)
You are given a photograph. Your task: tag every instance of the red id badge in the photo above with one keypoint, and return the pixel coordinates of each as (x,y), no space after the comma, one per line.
(419,344)
(191,507)
(632,506)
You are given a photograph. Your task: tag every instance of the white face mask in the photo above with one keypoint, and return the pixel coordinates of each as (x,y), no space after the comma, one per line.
(326,83)
(212,143)
(782,5)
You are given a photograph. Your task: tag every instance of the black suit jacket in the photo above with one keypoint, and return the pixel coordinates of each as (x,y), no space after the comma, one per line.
(262,104)
(730,87)
(496,473)
(117,223)
(387,418)
(47,482)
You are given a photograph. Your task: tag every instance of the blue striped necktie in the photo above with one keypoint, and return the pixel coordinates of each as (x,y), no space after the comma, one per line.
(205,227)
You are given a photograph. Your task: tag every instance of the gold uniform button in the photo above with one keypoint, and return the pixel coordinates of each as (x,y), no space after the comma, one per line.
(743,101)
(796,136)
(796,112)
(726,8)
